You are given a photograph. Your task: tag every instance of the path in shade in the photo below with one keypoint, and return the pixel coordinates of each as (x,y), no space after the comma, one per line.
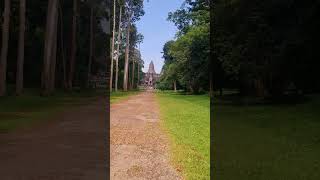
(70,147)
(139,148)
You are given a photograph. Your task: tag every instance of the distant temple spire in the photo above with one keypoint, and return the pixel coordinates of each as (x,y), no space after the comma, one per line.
(151,76)
(151,68)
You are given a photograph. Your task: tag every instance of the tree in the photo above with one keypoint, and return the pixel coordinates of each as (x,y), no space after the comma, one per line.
(134,9)
(112,43)
(187,58)
(62,52)
(54,55)
(125,78)
(263,49)
(29,34)
(118,50)
(138,38)
(4,47)
(50,38)
(73,44)
(20,61)
(91,43)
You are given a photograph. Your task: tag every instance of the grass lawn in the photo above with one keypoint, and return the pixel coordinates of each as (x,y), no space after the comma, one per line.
(27,109)
(186,119)
(119,95)
(266,142)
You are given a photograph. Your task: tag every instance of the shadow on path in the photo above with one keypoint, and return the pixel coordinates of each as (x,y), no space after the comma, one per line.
(72,146)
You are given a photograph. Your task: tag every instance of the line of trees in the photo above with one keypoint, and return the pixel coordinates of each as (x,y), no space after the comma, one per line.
(186,59)
(266,48)
(52,44)
(126,61)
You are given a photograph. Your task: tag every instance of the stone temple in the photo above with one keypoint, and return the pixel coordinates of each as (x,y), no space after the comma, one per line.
(151,77)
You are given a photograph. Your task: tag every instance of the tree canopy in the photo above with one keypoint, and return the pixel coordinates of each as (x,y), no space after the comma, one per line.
(186,59)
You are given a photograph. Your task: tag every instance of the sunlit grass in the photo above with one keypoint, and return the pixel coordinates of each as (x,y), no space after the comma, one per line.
(186,120)
(120,95)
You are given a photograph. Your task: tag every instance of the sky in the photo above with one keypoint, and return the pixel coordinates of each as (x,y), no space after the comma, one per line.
(156,30)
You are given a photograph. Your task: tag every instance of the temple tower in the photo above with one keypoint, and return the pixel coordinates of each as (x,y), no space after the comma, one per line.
(151,76)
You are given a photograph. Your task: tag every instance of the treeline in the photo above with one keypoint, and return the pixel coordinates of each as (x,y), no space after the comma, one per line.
(127,64)
(266,48)
(49,45)
(187,58)
(261,48)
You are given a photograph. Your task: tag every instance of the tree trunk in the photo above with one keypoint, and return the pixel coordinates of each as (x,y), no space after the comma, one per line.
(129,74)
(4,47)
(112,45)
(211,85)
(64,64)
(175,86)
(118,51)
(126,66)
(20,61)
(132,74)
(49,45)
(91,48)
(73,44)
(54,56)
(138,74)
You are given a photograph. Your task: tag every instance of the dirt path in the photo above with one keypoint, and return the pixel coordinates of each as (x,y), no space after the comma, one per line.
(71,148)
(139,149)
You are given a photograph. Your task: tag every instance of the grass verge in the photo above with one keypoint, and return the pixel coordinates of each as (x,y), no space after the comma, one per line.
(119,95)
(25,110)
(186,119)
(264,142)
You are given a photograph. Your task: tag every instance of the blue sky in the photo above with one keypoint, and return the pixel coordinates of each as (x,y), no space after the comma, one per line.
(156,30)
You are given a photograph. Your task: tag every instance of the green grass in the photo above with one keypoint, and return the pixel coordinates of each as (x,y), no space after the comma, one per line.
(25,110)
(30,108)
(119,95)
(186,120)
(266,142)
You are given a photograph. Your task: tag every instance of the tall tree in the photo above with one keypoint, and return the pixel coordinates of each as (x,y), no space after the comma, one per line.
(4,47)
(126,63)
(132,72)
(134,9)
(187,58)
(91,43)
(20,61)
(63,56)
(54,55)
(118,50)
(138,73)
(139,39)
(112,43)
(49,45)
(73,44)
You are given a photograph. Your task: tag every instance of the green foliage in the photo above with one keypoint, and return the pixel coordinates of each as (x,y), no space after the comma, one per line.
(187,58)
(36,12)
(135,9)
(134,55)
(262,46)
